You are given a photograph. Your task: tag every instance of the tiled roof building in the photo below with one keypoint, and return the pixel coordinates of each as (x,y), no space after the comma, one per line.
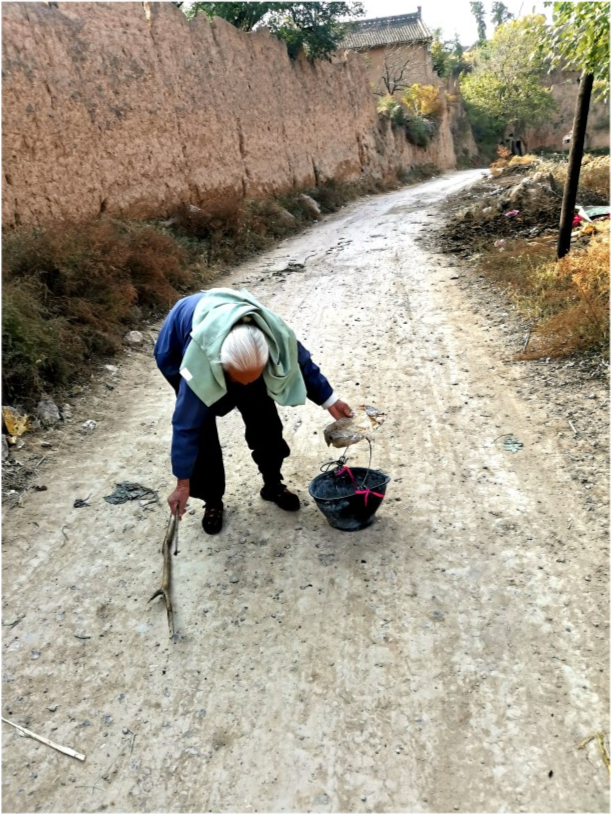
(403,29)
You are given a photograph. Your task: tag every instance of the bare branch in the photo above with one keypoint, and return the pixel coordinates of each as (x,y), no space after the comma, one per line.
(395,70)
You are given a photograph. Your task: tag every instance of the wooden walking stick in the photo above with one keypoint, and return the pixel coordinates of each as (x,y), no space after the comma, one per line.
(170,542)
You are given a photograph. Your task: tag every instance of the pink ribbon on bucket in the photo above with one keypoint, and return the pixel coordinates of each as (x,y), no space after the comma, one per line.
(345,469)
(367,492)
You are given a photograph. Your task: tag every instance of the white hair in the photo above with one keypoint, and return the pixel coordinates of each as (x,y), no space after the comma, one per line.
(245,348)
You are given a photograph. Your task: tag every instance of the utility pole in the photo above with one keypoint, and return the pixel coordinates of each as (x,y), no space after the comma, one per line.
(569,196)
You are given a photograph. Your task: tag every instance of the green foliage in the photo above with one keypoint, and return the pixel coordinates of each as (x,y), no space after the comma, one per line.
(579,39)
(500,14)
(397,115)
(387,104)
(505,84)
(315,27)
(244,16)
(391,109)
(447,56)
(439,56)
(417,130)
(477,9)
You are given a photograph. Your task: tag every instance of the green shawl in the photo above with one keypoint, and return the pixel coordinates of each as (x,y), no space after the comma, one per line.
(214,316)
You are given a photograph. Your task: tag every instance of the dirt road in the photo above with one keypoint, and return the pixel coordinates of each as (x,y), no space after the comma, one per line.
(451,657)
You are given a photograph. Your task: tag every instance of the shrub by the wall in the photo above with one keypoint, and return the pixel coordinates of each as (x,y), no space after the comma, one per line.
(68,296)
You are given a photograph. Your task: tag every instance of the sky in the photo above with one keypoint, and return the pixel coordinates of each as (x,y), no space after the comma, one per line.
(452,16)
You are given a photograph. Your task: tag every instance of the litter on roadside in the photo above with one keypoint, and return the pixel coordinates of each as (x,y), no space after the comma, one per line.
(15,424)
(130,491)
(512,444)
(26,733)
(591,213)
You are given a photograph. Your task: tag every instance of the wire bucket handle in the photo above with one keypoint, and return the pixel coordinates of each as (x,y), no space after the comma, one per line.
(340,466)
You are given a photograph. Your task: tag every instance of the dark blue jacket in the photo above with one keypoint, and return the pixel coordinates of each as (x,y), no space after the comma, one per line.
(190,411)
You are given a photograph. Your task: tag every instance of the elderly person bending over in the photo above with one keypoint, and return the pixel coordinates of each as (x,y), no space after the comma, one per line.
(221,349)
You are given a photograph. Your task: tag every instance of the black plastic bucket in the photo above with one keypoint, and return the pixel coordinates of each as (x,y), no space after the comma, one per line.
(349,505)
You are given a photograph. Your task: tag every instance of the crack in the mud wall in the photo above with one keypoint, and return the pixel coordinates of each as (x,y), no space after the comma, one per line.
(132,109)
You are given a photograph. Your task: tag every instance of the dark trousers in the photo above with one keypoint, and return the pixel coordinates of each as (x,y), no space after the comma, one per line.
(263,436)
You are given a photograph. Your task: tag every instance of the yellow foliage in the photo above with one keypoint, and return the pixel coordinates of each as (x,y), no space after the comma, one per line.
(423,100)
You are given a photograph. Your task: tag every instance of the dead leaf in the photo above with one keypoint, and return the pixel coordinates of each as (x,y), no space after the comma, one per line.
(15,424)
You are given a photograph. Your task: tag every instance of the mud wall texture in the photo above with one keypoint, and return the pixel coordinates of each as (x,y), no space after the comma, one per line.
(130,109)
(565,87)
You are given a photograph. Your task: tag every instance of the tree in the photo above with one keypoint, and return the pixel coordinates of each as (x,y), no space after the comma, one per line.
(314,28)
(477,9)
(578,39)
(440,55)
(395,70)
(447,56)
(500,14)
(457,48)
(244,16)
(505,87)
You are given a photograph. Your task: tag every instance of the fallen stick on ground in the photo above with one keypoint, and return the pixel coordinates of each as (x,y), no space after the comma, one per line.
(26,733)
(170,541)
(601,746)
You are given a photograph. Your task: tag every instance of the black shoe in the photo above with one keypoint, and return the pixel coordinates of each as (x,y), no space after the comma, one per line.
(212,520)
(281,496)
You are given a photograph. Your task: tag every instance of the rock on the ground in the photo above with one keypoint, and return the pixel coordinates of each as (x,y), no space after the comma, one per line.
(285,217)
(48,413)
(309,205)
(66,412)
(134,338)
(89,426)
(4,448)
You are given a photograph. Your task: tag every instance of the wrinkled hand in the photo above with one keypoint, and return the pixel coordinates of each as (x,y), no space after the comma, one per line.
(341,410)
(178,499)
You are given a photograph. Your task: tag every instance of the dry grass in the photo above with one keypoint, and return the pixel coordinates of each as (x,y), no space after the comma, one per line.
(505,160)
(69,295)
(567,301)
(594,174)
